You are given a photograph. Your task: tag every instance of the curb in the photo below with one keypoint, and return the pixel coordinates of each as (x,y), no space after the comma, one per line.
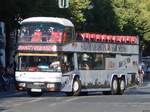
(7,93)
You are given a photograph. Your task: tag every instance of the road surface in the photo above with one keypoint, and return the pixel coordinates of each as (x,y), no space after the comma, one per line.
(135,99)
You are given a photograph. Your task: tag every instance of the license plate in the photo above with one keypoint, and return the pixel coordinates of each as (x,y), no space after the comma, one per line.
(52,85)
(38,83)
(36,90)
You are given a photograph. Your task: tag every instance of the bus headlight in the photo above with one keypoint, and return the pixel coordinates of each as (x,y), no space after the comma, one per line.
(22,84)
(50,85)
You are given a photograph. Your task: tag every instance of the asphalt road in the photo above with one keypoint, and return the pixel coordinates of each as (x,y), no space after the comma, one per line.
(134,100)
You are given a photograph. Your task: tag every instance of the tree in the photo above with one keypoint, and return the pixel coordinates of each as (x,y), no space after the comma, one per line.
(77,10)
(101,18)
(124,17)
(133,18)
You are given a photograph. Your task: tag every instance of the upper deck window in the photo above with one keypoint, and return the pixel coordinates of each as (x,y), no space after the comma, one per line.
(38,32)
(93,37)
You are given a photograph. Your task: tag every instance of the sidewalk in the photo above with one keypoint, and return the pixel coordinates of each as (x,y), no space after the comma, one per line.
(7,93)
(146,84)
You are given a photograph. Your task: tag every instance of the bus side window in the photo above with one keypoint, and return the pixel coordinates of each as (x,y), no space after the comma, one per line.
(90,61)
(84,61)
(68,34)
(68,64)
(99,62)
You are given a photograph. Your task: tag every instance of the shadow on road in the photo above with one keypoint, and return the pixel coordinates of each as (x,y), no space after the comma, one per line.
(143,90)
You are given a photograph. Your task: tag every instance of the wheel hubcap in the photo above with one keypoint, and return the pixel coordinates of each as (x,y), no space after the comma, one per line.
(75,86)
(122,85)
(115,84)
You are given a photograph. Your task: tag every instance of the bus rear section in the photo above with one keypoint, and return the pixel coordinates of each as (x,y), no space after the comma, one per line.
(106,64)
(108,73)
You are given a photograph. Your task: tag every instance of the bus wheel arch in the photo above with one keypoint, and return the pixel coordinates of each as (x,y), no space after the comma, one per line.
(76,87)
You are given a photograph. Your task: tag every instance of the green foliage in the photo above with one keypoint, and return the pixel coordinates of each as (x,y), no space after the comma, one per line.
(133,17)
(77,8)
(124,17)
(101,18)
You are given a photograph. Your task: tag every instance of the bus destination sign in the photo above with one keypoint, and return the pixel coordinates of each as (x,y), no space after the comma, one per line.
(37,48)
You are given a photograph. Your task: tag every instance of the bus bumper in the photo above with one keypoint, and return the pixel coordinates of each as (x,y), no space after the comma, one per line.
(38,86)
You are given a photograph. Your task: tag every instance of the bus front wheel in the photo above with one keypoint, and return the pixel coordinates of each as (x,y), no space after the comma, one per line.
(76,88)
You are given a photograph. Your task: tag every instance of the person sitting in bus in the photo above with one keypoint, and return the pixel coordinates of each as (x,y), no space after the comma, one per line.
(33,69)
(86,66)
(55,65)
(37,36)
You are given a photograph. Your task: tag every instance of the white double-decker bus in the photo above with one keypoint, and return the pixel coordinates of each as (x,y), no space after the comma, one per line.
(51,57)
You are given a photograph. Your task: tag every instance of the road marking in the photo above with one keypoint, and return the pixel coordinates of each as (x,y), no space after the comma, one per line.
(72,99)
(67,100)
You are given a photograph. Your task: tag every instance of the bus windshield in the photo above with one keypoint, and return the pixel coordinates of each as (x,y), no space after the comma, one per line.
(40,32)
(39,64)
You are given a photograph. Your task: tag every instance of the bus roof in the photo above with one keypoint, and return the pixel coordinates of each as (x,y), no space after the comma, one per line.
(62,21)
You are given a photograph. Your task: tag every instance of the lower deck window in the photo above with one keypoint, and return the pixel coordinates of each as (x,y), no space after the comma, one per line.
(91,61)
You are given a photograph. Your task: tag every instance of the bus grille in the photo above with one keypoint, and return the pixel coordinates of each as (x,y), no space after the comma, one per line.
(36,85)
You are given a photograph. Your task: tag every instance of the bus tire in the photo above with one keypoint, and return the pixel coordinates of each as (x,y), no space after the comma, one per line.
(76,88)
(121,86)
(115,86)
(34,94)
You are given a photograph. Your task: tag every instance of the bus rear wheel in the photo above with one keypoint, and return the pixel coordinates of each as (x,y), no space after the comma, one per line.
(115,86)
(121,86)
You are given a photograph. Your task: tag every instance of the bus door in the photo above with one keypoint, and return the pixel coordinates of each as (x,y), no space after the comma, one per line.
(68,71)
